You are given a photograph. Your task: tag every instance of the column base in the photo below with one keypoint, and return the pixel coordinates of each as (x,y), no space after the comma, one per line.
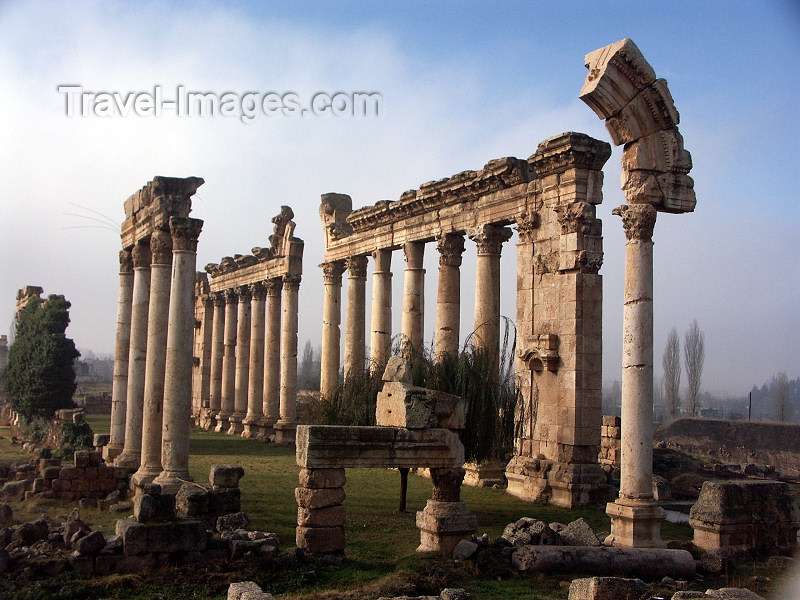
(171,481)
(130,461)
(635,524)
(110,452)
(252,427)
(236,426)
(285,432)
(207,418)
(568,485)
(222,422)
(144,476)
(442,525)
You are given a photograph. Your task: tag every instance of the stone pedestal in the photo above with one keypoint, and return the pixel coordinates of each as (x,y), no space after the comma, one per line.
(448,298)
(130,458)
(635,516)
(445,521)
(381,338)
(158,317)
(272,356)
(255,386)
(178,379)
(119,389)
(320,513)
(354,339)
(331,319)
(413,318)
(228,363)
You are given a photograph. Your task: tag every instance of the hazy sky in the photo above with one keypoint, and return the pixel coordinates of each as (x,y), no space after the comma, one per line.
(462,83)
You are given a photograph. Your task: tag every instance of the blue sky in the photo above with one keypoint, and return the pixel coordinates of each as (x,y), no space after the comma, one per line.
(462,83)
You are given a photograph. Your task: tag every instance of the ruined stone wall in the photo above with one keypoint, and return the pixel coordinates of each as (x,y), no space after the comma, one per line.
(610,449)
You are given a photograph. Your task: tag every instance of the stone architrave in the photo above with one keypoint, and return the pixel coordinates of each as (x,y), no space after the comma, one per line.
(448,298)
(121,351)
(413,321)
(355,324)
(228,362)
(635,516)
(331,319)
(217,352)
(242,375)
(272,356)
(130,458)
(381,337)
(178,380)
(158,320)
(489,240)
(255,386)
(285,427)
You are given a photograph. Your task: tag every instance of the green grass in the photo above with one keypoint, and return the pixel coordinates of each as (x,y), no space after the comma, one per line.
(381,542)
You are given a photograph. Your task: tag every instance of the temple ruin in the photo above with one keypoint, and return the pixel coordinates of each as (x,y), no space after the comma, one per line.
(151,397)
(245,370)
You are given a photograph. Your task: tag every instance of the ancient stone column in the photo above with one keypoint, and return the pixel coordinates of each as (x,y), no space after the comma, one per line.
(381,338)
(355,323)
(255,386)
(272,358)
(635,516)
(331,318)
(448,298)
(130,457)
(413,317)
(119,388)
(217,352)
(242,362)
(489,239)
(178,377)
(228,362)
(285,428)
(205,333)
(158,317)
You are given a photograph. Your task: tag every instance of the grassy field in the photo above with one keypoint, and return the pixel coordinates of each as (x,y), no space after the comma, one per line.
(381,542)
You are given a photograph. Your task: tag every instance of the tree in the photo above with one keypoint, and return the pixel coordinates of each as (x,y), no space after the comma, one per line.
(40,377)
(671,362)
(310,364)
(780,395)
(694,355)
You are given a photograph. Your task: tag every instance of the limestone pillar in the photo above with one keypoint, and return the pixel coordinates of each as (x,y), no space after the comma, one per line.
(448,298)
(355,324)
(130,457)
(242,362)
(255,385)
(413,318)
(272,358)
(121,350)
(489,240)
(228,362)
(178,377)
(635,516)
(285,428)
(158,318)
(217,352)
(381,338)
(204,356)
(331,318)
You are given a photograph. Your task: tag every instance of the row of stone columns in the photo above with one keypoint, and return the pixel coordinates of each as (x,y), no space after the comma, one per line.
(153,360)
(488,239)
(253,378)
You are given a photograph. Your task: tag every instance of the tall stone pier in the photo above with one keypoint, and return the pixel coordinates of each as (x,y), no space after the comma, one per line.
(639,112)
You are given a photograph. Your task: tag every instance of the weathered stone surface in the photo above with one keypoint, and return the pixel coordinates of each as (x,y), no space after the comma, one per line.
(403,405)
(232,522)
(320,540)
(149,508)
(322,478)
(447,484)
(607,588)
(224,500)
(527,531)
(464,549)
(91,543)
(330,516)
(140,538)
(226,476)
(579,533)
(191,500)
(247,590)
(647,563)
(397,369)
(28,533)
(6,515)
(308,498)
(330,446)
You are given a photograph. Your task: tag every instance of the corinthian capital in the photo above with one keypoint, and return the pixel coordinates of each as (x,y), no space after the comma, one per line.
(141,256)
(489,238)
(357,266)
(450,247)
(185,232)
(638,220)
(332,272)
(125,261)
(161,247)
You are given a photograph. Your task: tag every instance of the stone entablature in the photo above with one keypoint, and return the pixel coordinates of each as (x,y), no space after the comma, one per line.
(245,349)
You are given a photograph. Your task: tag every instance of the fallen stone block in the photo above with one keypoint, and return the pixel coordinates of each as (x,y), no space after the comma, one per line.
(191,500)
(247,590)
(91,543)
(225,476)
(179,535)
(579,533)
(232,522)
(607,588)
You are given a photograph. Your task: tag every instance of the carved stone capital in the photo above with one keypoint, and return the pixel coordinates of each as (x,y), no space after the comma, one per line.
(450,247)
(258,290)
(413,252)
(527,223)
(274,287)
(332,272)
(185,232)
(125,262)
(231,296)
(161,247)
(447,484)
(141,256)
(291,282)
(356,267)
(576,217)
(638,220)
(218,298)
(244,293)
(489,238)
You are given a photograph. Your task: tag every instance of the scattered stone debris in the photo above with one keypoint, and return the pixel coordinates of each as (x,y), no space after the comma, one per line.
(247,590)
